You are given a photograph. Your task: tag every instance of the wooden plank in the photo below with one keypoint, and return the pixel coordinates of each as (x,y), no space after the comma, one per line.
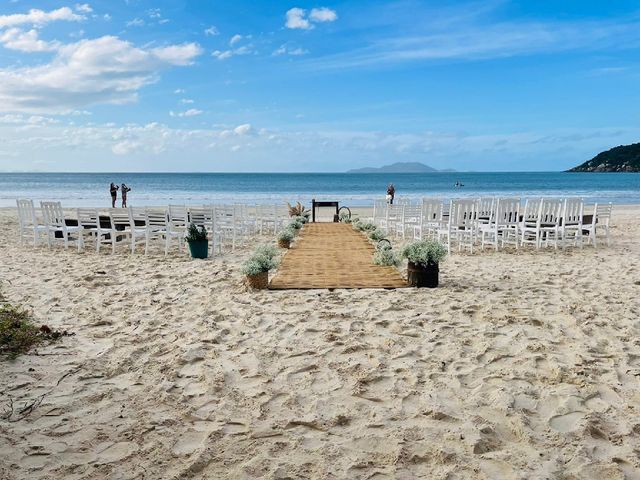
(333,255)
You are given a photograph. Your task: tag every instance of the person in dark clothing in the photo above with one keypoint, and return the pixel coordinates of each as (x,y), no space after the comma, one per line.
(123,192)
(391,192)
(114,194)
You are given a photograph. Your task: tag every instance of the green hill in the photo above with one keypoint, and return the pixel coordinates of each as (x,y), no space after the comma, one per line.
(625,158)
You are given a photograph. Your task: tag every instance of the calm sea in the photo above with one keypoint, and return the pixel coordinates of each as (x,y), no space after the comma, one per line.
(92,189)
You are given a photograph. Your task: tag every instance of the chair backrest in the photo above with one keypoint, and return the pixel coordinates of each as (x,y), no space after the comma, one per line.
(551,211)
(53,214)
(178,215)
(485,207)
(462,213)
(602,213)
(412,213)
(531,212)
(119,216)
(26,213)
(202,216)
(507,211)
(395,212)
(155,218)
(431,210)
(88,218)
(572,211)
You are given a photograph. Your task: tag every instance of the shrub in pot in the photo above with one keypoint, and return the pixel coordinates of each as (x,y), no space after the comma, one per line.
(423,258)
(256,268)
(198,241)
(285,237)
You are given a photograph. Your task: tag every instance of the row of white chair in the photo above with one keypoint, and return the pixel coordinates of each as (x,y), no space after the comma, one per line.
(226,224)
(497,221)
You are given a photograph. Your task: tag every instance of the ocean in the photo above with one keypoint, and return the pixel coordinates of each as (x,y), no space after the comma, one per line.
(92,189)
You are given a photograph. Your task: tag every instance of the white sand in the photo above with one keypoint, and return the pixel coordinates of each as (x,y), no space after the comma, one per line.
(520,366)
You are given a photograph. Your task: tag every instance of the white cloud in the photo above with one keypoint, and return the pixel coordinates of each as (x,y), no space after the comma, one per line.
(178,91)
(106,17)
(244,129)
(285,50)
(186,101)
(136,22)
(154,13)
(83,8)
(211,31)
(192,112)
(16,39)
(225,54)
(88,72)
(235,39)
(323,14)
(296,19)
(40,17)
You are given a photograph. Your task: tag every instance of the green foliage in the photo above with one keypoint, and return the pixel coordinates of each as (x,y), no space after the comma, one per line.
(302,219)
(287,235)
(195,234)
(17,332)
(425,252)
(365,226)
(344,217)
(624,158)
(376,234)
(296,224)
(262,260)
(385,255)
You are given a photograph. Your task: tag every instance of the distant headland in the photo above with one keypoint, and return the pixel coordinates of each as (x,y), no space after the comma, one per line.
(625,158)
(399,167)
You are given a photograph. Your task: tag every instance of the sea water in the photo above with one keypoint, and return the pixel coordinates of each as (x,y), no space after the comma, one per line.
(92,189)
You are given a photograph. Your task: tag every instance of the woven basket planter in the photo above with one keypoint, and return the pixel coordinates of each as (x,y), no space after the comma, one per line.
(284,243)
(259,281)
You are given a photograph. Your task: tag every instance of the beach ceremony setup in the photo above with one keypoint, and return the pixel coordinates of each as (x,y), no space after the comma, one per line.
(387,240)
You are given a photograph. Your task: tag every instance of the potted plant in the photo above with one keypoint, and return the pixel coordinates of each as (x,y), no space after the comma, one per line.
(198,241)
(256,268)
(376,234)
(298,210)
(423,258)
(285,237)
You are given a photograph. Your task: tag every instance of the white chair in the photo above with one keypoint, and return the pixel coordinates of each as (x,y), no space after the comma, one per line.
(461,224)
(55,223)
(530,226)
(156,226)
(266,218)
(550,215)
(600,221)
(379,212)
(89,223)
(503,223)
(411,218)
(137,227)
(486,210)
(393,217)
(119,229)
(571,224)
(430,219)
(177,224)
(28,225)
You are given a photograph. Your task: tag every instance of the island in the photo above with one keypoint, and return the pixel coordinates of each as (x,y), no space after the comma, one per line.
(399,167)
(624,158)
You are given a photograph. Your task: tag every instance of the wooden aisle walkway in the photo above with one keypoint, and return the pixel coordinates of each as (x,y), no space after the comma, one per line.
(333,255)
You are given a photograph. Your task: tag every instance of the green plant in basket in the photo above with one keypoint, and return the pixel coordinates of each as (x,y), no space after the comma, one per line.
(195,234)
(425,252)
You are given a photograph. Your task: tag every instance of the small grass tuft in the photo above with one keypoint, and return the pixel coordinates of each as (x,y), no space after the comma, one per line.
(18,334)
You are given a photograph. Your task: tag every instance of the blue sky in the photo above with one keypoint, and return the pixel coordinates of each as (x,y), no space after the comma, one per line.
(176,85)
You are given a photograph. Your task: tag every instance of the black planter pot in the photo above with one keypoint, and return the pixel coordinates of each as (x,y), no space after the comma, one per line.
(199,248)
(420,275)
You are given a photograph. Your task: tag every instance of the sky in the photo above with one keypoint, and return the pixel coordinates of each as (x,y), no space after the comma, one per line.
(296,86)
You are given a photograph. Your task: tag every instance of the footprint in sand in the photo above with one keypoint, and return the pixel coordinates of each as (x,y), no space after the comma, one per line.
(567,422)
(116,452)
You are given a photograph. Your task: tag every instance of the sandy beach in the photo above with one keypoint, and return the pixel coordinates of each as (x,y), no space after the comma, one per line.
(521,365)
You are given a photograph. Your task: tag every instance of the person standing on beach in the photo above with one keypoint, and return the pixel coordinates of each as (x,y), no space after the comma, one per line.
(391,192)
(114,194)
(123,192)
